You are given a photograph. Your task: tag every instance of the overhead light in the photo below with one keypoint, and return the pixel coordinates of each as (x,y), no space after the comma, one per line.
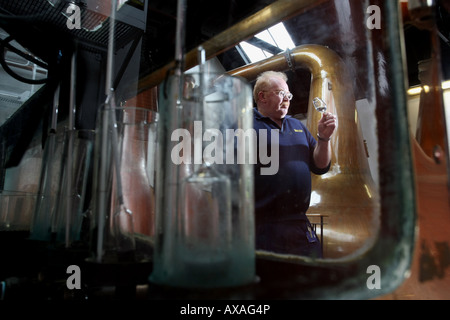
(414,91)
(446,85)
(417,90)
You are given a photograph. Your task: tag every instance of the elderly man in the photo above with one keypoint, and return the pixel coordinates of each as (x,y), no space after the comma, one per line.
(282,199)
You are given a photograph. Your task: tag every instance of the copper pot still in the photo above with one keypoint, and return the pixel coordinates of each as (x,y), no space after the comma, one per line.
(346,197)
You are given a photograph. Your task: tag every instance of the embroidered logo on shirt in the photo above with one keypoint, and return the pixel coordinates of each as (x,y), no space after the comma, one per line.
(298,130)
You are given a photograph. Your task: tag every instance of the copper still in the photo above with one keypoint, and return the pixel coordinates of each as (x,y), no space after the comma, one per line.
(431,127)
(346,197)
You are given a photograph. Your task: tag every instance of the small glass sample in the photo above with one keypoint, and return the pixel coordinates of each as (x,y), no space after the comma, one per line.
(319,104)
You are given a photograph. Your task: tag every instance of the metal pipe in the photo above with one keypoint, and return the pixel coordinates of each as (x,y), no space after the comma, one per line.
(69,161)
(109,92)
(180,36)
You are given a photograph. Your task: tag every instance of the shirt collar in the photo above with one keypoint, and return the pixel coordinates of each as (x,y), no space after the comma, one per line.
(258,115)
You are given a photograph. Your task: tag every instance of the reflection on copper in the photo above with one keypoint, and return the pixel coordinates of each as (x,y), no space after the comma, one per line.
(139,195)
(431,128)
(431,133)
(333,235)
(347,195)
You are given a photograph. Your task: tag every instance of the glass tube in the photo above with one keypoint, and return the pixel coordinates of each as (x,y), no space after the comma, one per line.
(205,222)
(122,224)
(71,206)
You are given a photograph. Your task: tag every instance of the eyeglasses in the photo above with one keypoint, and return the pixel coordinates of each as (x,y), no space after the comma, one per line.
(283,94)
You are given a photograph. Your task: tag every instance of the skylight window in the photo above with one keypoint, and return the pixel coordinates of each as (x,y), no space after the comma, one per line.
(274,37)
(254,53)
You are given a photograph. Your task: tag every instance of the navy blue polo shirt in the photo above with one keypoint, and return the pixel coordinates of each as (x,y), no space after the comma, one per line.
(286,194)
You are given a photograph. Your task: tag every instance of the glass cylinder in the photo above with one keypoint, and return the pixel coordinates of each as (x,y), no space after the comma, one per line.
(71,205)
(43,223)
(205,216)
(122,221)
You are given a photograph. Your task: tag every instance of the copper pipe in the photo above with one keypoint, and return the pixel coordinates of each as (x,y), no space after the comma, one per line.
(347,194)
(273,13)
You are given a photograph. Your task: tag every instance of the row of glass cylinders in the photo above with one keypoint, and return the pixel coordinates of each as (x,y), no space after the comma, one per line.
(173,187)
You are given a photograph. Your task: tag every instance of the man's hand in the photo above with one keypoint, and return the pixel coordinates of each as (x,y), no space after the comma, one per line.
(327,125)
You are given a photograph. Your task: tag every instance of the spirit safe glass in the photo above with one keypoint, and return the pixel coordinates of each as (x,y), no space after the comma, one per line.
(204,187)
